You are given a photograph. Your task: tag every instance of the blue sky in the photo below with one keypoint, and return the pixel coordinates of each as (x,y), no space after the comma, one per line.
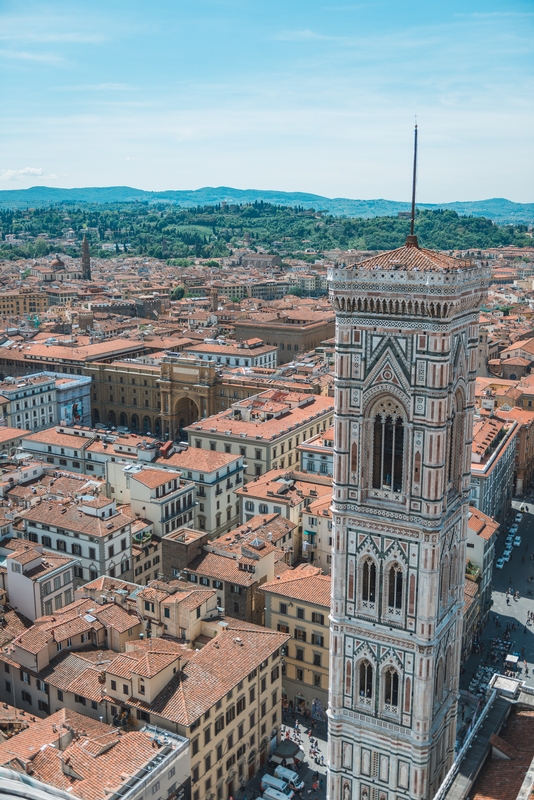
(300,95)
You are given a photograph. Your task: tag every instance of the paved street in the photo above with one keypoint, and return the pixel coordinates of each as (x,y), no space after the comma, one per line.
(307,769)
(514,576)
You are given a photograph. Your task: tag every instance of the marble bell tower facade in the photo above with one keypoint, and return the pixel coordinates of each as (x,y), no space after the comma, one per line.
(406,343)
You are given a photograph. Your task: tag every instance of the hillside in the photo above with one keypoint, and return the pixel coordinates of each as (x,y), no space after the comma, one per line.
(168,232)
(498,209)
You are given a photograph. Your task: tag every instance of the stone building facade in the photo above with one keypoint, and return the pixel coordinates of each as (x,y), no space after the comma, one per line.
(406,350)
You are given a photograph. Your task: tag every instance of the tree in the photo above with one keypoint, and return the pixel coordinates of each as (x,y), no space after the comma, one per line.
(177,293)
(297,291)
(40,247)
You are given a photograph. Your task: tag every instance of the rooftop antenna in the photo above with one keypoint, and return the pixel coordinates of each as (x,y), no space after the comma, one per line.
(411,240)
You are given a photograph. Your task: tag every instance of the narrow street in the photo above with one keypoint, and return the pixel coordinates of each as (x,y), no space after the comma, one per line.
(509,612)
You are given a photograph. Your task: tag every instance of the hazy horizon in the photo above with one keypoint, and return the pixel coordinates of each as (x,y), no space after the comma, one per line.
(420,200)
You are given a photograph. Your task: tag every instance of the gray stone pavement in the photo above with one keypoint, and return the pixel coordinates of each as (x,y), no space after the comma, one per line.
(307,768)
(514,576)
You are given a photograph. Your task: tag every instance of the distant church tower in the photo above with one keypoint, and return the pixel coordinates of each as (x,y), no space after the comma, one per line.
(406,345)
(86,260)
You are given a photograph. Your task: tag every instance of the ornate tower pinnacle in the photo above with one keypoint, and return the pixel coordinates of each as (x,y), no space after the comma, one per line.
(86,260)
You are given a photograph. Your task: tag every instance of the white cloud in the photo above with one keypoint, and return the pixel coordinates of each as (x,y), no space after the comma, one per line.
(26,172)
(22,55)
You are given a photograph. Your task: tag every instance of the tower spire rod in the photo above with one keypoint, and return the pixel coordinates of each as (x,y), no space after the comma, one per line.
(414,181)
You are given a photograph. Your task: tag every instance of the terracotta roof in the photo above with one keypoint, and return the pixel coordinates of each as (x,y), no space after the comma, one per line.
(155,477)
(198,459)
(481,524)
(501,779)
(215,669)
(305,583)
(70,517)
(101,757)
(7,434)
(412,258)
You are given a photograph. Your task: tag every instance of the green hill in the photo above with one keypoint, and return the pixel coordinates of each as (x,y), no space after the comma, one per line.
(497,209)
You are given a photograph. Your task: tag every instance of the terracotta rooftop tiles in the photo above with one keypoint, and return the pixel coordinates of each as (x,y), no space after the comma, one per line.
(98,755)
(210,674)
(198,459)
(501,779)
(305,583)
(71,517)
(413,258)
(152,478)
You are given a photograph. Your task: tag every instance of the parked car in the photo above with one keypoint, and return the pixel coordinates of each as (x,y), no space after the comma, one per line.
(513,529)
(517,541)
(510,539)
(518,517)
(499,564)
(507,553)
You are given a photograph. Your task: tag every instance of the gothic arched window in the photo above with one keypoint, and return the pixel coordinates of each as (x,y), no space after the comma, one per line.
(394,588)
(368,583)
(388,451)
(365,682)
(391,689)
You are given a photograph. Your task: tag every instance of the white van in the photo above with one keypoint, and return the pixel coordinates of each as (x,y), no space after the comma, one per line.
(270,782)
(273,794)
(289,776)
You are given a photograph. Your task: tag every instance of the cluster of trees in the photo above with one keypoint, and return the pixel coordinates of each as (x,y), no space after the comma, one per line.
(176,234)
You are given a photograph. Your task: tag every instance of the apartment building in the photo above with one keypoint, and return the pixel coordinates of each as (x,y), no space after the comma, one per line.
(91,529)
(171,608)
(61,447)
(481,539)
(249,353)
(297,330)
(317,453)
(83,758)
(225,697)
(236,565)
(288,493)
(265,429)
(146,552)
(216,476)
(38,581)
(161,496)
(298,604)
(492,466)
(23,302)
(317,533)
(524,455)
(29,403)
(10,440)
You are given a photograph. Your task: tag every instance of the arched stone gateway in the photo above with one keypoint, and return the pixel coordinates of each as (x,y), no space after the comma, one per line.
(186,412)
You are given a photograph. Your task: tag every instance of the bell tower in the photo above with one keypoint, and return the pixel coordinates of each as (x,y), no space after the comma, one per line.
(406,345)
(86,260)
